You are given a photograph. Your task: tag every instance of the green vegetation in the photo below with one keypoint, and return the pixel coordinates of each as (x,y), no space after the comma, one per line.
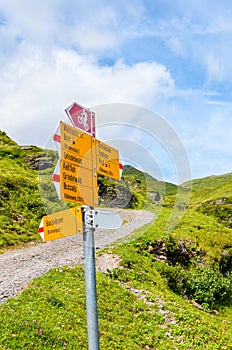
(143,304)
(171,290)
(27,191)
(213,196)
(20,204)
(136,189)
(148,182)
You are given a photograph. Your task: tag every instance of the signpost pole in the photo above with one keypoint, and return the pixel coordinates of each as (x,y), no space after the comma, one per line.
(76,182)
(90,277)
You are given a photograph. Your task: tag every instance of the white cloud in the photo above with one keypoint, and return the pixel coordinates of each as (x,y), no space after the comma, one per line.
(30,20)
(91,27)
(205,130)
(37,86)
(50,53)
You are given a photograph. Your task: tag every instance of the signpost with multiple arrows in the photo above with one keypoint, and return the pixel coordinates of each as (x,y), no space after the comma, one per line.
(82,157)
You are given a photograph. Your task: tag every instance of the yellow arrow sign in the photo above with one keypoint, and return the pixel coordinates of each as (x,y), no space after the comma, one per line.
(76,146)
(78,184)
(107,160)
(61,224)
(82,157)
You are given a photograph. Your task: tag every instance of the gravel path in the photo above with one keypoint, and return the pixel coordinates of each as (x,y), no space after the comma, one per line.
(17,267)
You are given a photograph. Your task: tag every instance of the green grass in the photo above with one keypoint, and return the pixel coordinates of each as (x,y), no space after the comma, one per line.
(26,194)
(210,188)
(213,196)
(145,302)
(50,313)
(20,204)
(150,183)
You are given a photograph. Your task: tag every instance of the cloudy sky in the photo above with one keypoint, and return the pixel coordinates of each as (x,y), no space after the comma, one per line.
(170,58)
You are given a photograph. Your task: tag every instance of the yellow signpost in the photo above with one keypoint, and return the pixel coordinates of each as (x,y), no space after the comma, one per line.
(107,160)
(76,146)
(78,181)
(82,157)
(61,224)
(77,184)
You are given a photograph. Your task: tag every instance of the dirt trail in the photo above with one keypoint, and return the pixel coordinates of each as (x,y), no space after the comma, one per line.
(17,267)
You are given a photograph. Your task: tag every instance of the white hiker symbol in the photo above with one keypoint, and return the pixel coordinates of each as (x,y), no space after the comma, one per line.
(82,119)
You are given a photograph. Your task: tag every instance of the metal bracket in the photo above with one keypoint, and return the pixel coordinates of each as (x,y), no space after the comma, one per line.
(93,218)
(88,216)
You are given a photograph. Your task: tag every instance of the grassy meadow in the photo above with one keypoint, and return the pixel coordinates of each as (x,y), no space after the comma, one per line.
(171,290)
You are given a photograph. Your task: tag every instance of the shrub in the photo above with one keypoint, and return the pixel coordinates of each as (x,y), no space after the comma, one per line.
(176,278)
(137,201)
(207,287)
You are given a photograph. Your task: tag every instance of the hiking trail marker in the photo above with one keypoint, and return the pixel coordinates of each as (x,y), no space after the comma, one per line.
(61,224)
(82,157)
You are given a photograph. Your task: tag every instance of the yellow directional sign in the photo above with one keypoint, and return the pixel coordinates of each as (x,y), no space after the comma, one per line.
(61,224)
(76,146)
(82,157)
(107,160)
(77,184)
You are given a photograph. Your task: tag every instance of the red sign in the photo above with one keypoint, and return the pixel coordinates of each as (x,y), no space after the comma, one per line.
(82,118)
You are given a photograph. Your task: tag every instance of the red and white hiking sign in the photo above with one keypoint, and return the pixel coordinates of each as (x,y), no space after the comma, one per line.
(82,118)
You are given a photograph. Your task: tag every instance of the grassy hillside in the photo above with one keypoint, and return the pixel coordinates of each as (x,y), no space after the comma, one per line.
(210,188)
(20,204)
(171,290)
(213,196)
(27,191)
(159,297)
(149,182)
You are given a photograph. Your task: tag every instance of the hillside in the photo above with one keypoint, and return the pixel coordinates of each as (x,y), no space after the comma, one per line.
(27,191)
(19,196)
(211,187)
(151,184)
(168,290)
(213,196)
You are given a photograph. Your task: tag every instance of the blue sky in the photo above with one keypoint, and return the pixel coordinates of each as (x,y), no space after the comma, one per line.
(172,58)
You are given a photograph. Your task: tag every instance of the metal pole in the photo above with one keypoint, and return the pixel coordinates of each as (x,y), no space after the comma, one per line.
(90,278)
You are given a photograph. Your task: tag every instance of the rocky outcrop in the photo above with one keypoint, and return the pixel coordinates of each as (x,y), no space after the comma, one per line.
(41,162)
(116,195)
(39,159)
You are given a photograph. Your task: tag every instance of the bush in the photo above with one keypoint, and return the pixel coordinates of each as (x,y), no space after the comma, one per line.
(207,287)
(176,278)
(137,201)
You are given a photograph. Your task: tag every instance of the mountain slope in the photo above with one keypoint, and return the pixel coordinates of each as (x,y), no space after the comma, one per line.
(171,289)
(210,188)
(21,207)
(150,183)
(212,195)
(19,198)
(27,191)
